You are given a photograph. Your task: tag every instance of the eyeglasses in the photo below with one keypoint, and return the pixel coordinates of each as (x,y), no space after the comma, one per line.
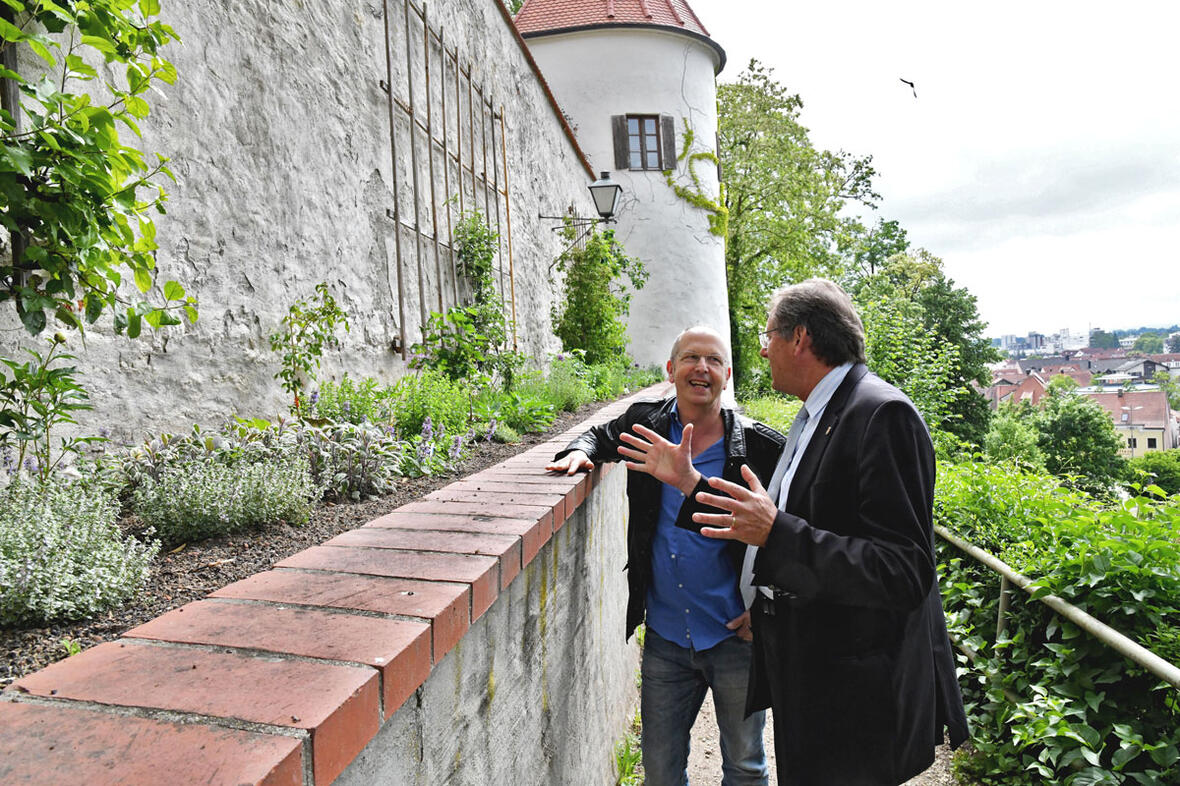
(764,337)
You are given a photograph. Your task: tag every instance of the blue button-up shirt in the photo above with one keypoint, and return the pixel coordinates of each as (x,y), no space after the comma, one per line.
(693,591)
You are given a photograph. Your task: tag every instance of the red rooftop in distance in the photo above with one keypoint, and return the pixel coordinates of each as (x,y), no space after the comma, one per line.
(549,16)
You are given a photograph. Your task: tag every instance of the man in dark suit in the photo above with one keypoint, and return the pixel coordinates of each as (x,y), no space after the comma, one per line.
(851,649)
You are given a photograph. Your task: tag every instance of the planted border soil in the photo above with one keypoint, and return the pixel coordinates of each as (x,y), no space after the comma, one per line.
(193,571)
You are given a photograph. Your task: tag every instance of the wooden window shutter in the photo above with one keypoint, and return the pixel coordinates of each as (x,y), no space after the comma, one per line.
(618,125)
(667,142)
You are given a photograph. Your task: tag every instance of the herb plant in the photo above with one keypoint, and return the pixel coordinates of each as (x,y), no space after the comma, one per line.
(62,557)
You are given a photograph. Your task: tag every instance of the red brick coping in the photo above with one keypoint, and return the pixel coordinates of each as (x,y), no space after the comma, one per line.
(284,677)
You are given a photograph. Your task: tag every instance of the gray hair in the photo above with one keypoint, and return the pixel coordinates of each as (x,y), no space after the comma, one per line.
(826,311)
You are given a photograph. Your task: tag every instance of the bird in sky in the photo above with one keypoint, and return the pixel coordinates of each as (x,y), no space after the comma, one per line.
(911,84)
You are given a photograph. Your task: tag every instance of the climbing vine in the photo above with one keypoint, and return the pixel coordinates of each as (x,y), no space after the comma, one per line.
(718,212)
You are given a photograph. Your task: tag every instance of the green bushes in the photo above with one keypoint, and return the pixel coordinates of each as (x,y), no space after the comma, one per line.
(203,500)
(350,401)
(1162,469)
(61,555)
(1048,702)
(429,394)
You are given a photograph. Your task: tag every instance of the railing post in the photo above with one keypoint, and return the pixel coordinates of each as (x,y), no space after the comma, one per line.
(1005,599)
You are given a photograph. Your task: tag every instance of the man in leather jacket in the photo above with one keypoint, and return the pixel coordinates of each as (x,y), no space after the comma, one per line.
(684,585)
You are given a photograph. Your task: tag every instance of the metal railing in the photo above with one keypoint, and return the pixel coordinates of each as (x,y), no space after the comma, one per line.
(1161,668)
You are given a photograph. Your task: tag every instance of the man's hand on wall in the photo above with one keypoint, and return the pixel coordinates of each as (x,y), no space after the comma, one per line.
(571,463)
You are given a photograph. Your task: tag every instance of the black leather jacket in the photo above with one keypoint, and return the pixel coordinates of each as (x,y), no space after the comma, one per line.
(746,442)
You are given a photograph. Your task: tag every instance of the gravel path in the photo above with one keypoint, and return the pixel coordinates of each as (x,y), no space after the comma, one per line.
(704,757)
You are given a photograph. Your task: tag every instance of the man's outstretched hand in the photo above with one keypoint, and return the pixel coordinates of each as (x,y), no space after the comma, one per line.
(751,511)
(663,460)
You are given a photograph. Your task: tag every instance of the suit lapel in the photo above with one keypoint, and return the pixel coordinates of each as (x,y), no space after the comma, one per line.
(824,430)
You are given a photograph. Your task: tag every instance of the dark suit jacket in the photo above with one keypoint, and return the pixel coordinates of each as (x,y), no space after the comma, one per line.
(855,660)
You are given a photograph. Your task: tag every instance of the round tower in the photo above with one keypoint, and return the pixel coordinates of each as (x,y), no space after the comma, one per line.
(636,81)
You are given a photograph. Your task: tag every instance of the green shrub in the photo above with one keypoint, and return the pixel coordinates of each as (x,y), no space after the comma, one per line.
(525,410)
(569,384)
(594,304)
(1162,467)
(351,401)
(429,394)
(202,500)
(1048,702)
(351,461)
(62,557)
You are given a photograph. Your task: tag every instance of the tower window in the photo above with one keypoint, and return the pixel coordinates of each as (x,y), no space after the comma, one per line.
(643,141)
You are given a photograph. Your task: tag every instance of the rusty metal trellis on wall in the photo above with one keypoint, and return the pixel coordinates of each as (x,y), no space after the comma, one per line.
(444,134)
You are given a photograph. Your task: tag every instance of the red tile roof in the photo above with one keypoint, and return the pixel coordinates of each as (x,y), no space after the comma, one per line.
(1148,408)
(542,16)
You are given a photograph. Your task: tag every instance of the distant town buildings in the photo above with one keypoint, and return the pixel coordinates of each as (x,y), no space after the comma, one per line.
(1123,383)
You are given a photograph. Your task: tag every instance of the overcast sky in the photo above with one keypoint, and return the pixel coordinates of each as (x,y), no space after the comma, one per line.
(1040,159)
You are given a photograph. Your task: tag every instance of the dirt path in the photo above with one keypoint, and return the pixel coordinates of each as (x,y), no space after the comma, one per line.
(704,758)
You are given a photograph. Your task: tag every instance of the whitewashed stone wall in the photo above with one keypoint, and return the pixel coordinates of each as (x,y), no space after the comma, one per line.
(278,131)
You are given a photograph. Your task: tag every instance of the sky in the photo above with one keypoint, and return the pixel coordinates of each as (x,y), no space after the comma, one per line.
(1040,159)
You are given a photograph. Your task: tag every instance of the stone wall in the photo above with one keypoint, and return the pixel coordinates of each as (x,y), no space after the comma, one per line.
(278,132)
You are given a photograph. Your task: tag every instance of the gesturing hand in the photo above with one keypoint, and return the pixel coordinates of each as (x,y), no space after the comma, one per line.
(663,460)
(751,511)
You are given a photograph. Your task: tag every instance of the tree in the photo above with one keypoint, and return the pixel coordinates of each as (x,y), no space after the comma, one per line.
(784,200)
(1174,342)
(950,315)
(901,350)
(1163,466)
(869,249)
(1079,441)
(590,315)
(70,190)
(1171,387)
(1013,437)
(1100,339)
(1149,343)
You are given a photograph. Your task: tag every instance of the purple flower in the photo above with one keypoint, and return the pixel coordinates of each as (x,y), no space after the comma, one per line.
(315,396)
(427,429)
(425,449)
(456,447)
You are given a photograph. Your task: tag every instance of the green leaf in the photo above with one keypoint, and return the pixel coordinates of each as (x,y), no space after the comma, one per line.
(134,324)
(37,44)
(34,321)
(143,279)
(1166,756)
(1123,755)
(10,32)
(103,45)
(93,308)
(17,159)
(173,291)
(191,313)
(68,317)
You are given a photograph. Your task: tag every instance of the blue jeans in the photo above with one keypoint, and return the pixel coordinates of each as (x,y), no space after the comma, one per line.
(675,680)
